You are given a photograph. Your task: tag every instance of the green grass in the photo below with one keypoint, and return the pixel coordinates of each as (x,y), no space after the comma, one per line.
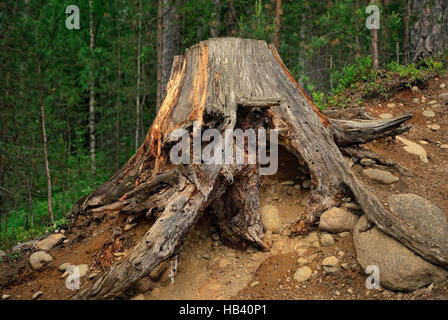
(355,82)
(82,183)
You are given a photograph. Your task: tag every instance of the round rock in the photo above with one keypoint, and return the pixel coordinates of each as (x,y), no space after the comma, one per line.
(429,113)
(336,220)
(422,214)
(302,274)
(327,240)
(40,259)
(49,242)
(271,218)
(384,177)
(400,268)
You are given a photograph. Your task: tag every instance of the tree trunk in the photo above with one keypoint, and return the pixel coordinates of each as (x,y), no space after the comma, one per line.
(118,100)
(429,34)
(137,95)
(92,90)
(215,25)
(4,139)
(406,44)
(159,54)
(44,136)
(231,84)
(170,39)
(374,45)
(277,23)
(231,19)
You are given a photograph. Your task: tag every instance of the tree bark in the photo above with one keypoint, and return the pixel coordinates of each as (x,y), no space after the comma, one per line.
(374,45)
(4,139)
(429,34)
(118,100)
(45,143)
(232,83)
(215,26)
(277,23)
(137,94)
(170,39)
(92,90)
(159,54)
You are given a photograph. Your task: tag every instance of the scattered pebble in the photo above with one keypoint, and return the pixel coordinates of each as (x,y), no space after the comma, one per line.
(434,127)
(306,184)
(327,240)
(302,274)
(37,295)
(331,264)
(385,116)
(429,113)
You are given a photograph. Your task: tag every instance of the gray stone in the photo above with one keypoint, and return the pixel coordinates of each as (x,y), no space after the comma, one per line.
(422,214)
(366,162)
(344,234)
(433,127)
(400,268)
(302,261)
(306,184)
(2,254)
(312,237)
(83,270)
(414,148)
(331,264)
(326,240)
(385,116)
(429,114)
(353,207)
(63,267)
(302,274)
(271,219)
(381,176)
(415,100)
(129,226)
(442,85)
(286,183)
(443,97)
(37,295)
(49,242)
(40,259)
(93,275)
(24,246)
(337,220)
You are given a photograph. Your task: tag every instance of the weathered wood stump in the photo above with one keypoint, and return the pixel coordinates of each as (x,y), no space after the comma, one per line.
(231,83)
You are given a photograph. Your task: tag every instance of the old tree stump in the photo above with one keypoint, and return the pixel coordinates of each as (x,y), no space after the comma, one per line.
(230,83)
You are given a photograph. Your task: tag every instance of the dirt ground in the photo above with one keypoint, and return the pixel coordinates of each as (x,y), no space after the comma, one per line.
(210,270)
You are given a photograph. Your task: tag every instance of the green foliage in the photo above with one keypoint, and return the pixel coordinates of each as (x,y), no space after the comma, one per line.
(256,26)
(319,99)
